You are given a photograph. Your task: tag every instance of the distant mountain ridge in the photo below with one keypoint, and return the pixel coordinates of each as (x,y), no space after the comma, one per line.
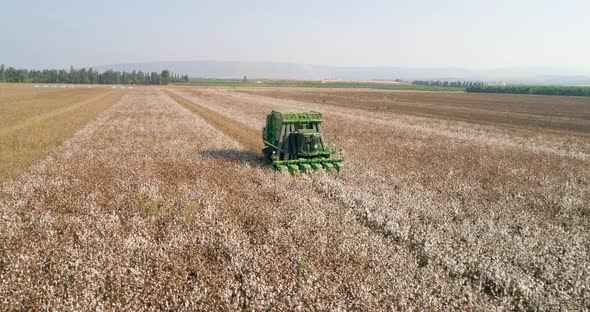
(236,69)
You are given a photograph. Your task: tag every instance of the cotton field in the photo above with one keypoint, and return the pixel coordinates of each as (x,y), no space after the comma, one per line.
(155,205)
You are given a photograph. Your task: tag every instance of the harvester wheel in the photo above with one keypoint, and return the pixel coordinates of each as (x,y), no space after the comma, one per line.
(267,151)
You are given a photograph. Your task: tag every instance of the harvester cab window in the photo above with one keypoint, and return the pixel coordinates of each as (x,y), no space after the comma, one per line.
(313,144)
(309,143)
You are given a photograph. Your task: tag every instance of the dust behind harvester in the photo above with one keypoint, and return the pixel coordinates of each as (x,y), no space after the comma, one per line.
(293,141)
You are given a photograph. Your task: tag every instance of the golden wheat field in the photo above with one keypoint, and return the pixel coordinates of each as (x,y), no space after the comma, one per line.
(153,199)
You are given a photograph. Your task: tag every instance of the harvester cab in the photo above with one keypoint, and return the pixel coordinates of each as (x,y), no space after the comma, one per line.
(293,141)
(309,142)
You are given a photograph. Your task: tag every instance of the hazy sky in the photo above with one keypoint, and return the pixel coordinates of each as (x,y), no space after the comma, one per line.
(420,33)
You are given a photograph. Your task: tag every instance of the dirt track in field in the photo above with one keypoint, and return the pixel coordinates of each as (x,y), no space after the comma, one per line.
(154,206)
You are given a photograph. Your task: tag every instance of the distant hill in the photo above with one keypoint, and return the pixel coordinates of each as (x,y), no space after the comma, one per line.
(230,69)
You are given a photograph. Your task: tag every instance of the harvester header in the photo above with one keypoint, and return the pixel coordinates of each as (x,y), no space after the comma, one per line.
(293,141)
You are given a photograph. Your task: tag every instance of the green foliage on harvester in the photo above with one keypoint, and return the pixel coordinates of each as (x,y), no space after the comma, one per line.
(293,141)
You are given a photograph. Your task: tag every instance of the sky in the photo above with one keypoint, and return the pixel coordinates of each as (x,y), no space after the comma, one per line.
(420,33)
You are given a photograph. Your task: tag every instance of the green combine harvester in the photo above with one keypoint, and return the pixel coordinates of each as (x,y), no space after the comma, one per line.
(293,141)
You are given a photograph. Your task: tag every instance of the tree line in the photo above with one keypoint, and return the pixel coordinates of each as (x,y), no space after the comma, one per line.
(89,76)
(448,84)
(540,90)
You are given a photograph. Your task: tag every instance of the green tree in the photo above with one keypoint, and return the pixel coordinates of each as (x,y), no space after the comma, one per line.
(154,78)
(83,76)
(62,76)
(2,73)
(11,75)
(133,77)
(165,77)
(23,75)
(140,79)
(72,76)
(124,78)
(52,76)
(90,75)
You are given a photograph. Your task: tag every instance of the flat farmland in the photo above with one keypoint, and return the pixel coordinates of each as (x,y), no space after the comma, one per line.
(447,201)
(33,121)
(524,111)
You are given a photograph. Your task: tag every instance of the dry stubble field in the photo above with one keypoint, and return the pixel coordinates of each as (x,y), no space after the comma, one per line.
(34,121)
(162,202)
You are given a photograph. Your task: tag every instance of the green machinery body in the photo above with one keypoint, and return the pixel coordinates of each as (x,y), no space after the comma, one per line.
(293,141)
